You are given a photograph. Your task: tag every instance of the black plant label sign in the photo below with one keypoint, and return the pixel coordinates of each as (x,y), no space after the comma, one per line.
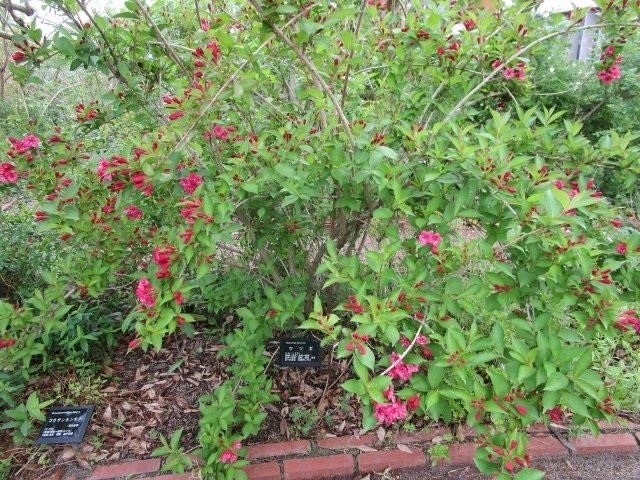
(65,425)
(296,352)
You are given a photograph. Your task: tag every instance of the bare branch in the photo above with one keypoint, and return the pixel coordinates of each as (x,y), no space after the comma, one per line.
(404,354)
(350,56)
(8,5)
(230,80)
(314,74)
(525,49)
(170,52)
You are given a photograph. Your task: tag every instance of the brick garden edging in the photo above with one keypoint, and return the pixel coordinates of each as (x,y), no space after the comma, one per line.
(352,456)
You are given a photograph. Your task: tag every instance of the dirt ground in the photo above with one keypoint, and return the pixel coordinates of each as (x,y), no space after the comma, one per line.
(592,467)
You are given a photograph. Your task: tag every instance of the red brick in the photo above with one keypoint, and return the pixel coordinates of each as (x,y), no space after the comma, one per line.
(460,453)
(123,469)
(318,467)
(175,476)
(546,447)
(341,443)
(465,431)
(263,471)
(611,442)
(538,428)
(278,449)
(379,461)
(420,437)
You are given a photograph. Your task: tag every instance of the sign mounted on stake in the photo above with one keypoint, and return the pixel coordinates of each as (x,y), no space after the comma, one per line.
(300,352)
(65,425)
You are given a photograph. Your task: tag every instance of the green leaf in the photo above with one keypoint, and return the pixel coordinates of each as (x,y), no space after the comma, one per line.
(557,381)
(387,152)
(435,375)
(529,474)
(354,386)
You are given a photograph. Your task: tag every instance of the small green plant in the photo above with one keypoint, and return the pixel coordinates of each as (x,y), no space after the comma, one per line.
(408,427)
(176,460)
(23,416)
(303,421)
(440,451)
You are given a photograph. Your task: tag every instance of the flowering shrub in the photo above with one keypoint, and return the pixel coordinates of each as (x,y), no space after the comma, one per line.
(287,137)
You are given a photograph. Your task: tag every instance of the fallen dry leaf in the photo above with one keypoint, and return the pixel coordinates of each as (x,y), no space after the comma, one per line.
(364,448)
(403,448)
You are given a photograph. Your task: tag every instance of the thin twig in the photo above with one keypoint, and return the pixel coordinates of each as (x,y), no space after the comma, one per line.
(233,76)
(314,74)
(404,354)
(525,49)
(363,7)
(172,54)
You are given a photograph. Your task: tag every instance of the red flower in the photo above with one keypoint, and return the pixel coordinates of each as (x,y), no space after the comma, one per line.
(616,223)
(215,51)
(41,216)
(440,51)
(176,115)
(8,173)
(496,63)
(186,236)
(621,248)
(190,183)
(413,403)
(469,24)
(133,212)
(18,56)
(144,292)
(509,466)
(134,343)
(521,410)
(177,296)
(204,24)
(555,414)
(180,320)
(162,256)
(454,46)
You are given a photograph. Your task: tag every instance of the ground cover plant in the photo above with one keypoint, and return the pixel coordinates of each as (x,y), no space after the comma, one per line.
(379,173)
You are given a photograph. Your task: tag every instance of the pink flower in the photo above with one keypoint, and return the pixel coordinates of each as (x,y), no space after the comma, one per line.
(103,165)
(520,74)
(134,343)
(609,51)
(162,256)
(401,371)
(8,173)
(215,51)
(228,457)
(144,292)
(555,414)
(177,296)
(422,340)
(413,403)
(133,212)
(176,115)
(614,71)
(469,24)
(18,56)
(616,223)
(431,238)
(405,342)
(496,63)
(621,248)
(138,179)
(204,24)
(236,445)
(521,410)
(220,132)
(190,183)
(388,413)
(440,51)
(30,141)
(388,394)
(508,73)
(559,184)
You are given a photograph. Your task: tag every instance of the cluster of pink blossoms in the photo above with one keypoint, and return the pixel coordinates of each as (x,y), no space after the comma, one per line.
(229,455)
(20,147)
(430,238)
(219,131)
(145,293)
(191,182)
(163,256)
(628,317)
(611,71)
(400,370)
(510,73)
(8,173)
(389,413)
